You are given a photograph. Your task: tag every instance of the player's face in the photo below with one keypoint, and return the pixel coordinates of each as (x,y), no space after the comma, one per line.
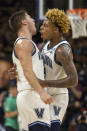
(47,30)
(31,24)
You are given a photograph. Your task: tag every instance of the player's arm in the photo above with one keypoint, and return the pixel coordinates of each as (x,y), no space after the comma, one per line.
(24,52)
(8,109)
(65,57)
(11,114)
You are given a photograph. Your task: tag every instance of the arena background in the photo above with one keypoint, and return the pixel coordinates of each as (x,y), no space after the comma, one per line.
(76,114)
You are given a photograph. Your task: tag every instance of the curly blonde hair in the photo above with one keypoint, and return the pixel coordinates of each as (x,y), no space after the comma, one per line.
(59,18)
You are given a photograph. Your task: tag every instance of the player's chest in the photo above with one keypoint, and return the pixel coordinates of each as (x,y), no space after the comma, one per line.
(48,58)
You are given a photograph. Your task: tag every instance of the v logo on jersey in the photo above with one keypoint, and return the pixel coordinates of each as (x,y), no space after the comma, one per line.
(39,112)
(56,110)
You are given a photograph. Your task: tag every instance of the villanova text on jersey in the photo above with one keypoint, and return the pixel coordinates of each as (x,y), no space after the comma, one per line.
(46,59)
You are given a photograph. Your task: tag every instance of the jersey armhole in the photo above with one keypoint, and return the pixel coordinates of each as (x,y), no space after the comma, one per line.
(30,41)
(56,61)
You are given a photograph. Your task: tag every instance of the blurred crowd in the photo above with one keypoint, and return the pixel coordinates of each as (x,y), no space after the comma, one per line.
(76,115)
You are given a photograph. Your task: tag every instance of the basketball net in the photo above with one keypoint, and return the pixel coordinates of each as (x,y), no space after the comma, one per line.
(78,19)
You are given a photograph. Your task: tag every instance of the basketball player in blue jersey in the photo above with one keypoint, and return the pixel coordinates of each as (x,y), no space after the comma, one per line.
(32,100)
(59,67)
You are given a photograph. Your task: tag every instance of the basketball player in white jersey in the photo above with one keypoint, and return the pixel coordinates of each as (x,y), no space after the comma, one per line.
(32,100)
(59,66)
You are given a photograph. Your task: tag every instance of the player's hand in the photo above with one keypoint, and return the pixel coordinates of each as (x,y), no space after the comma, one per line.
(12,73)
(46,98)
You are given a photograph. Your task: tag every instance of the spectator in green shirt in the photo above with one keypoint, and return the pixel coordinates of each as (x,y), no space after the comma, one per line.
(10,109)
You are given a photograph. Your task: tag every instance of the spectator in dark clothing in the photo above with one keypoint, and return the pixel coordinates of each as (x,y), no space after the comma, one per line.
(83,125)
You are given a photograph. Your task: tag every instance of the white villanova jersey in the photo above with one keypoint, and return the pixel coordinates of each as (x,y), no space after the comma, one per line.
(53,69)
(37,63)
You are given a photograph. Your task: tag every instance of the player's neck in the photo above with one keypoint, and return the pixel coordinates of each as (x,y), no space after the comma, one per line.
(56,40)
(24,33)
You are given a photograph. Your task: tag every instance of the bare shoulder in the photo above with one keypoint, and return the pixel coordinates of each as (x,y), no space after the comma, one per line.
(64,53)
(24,44)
